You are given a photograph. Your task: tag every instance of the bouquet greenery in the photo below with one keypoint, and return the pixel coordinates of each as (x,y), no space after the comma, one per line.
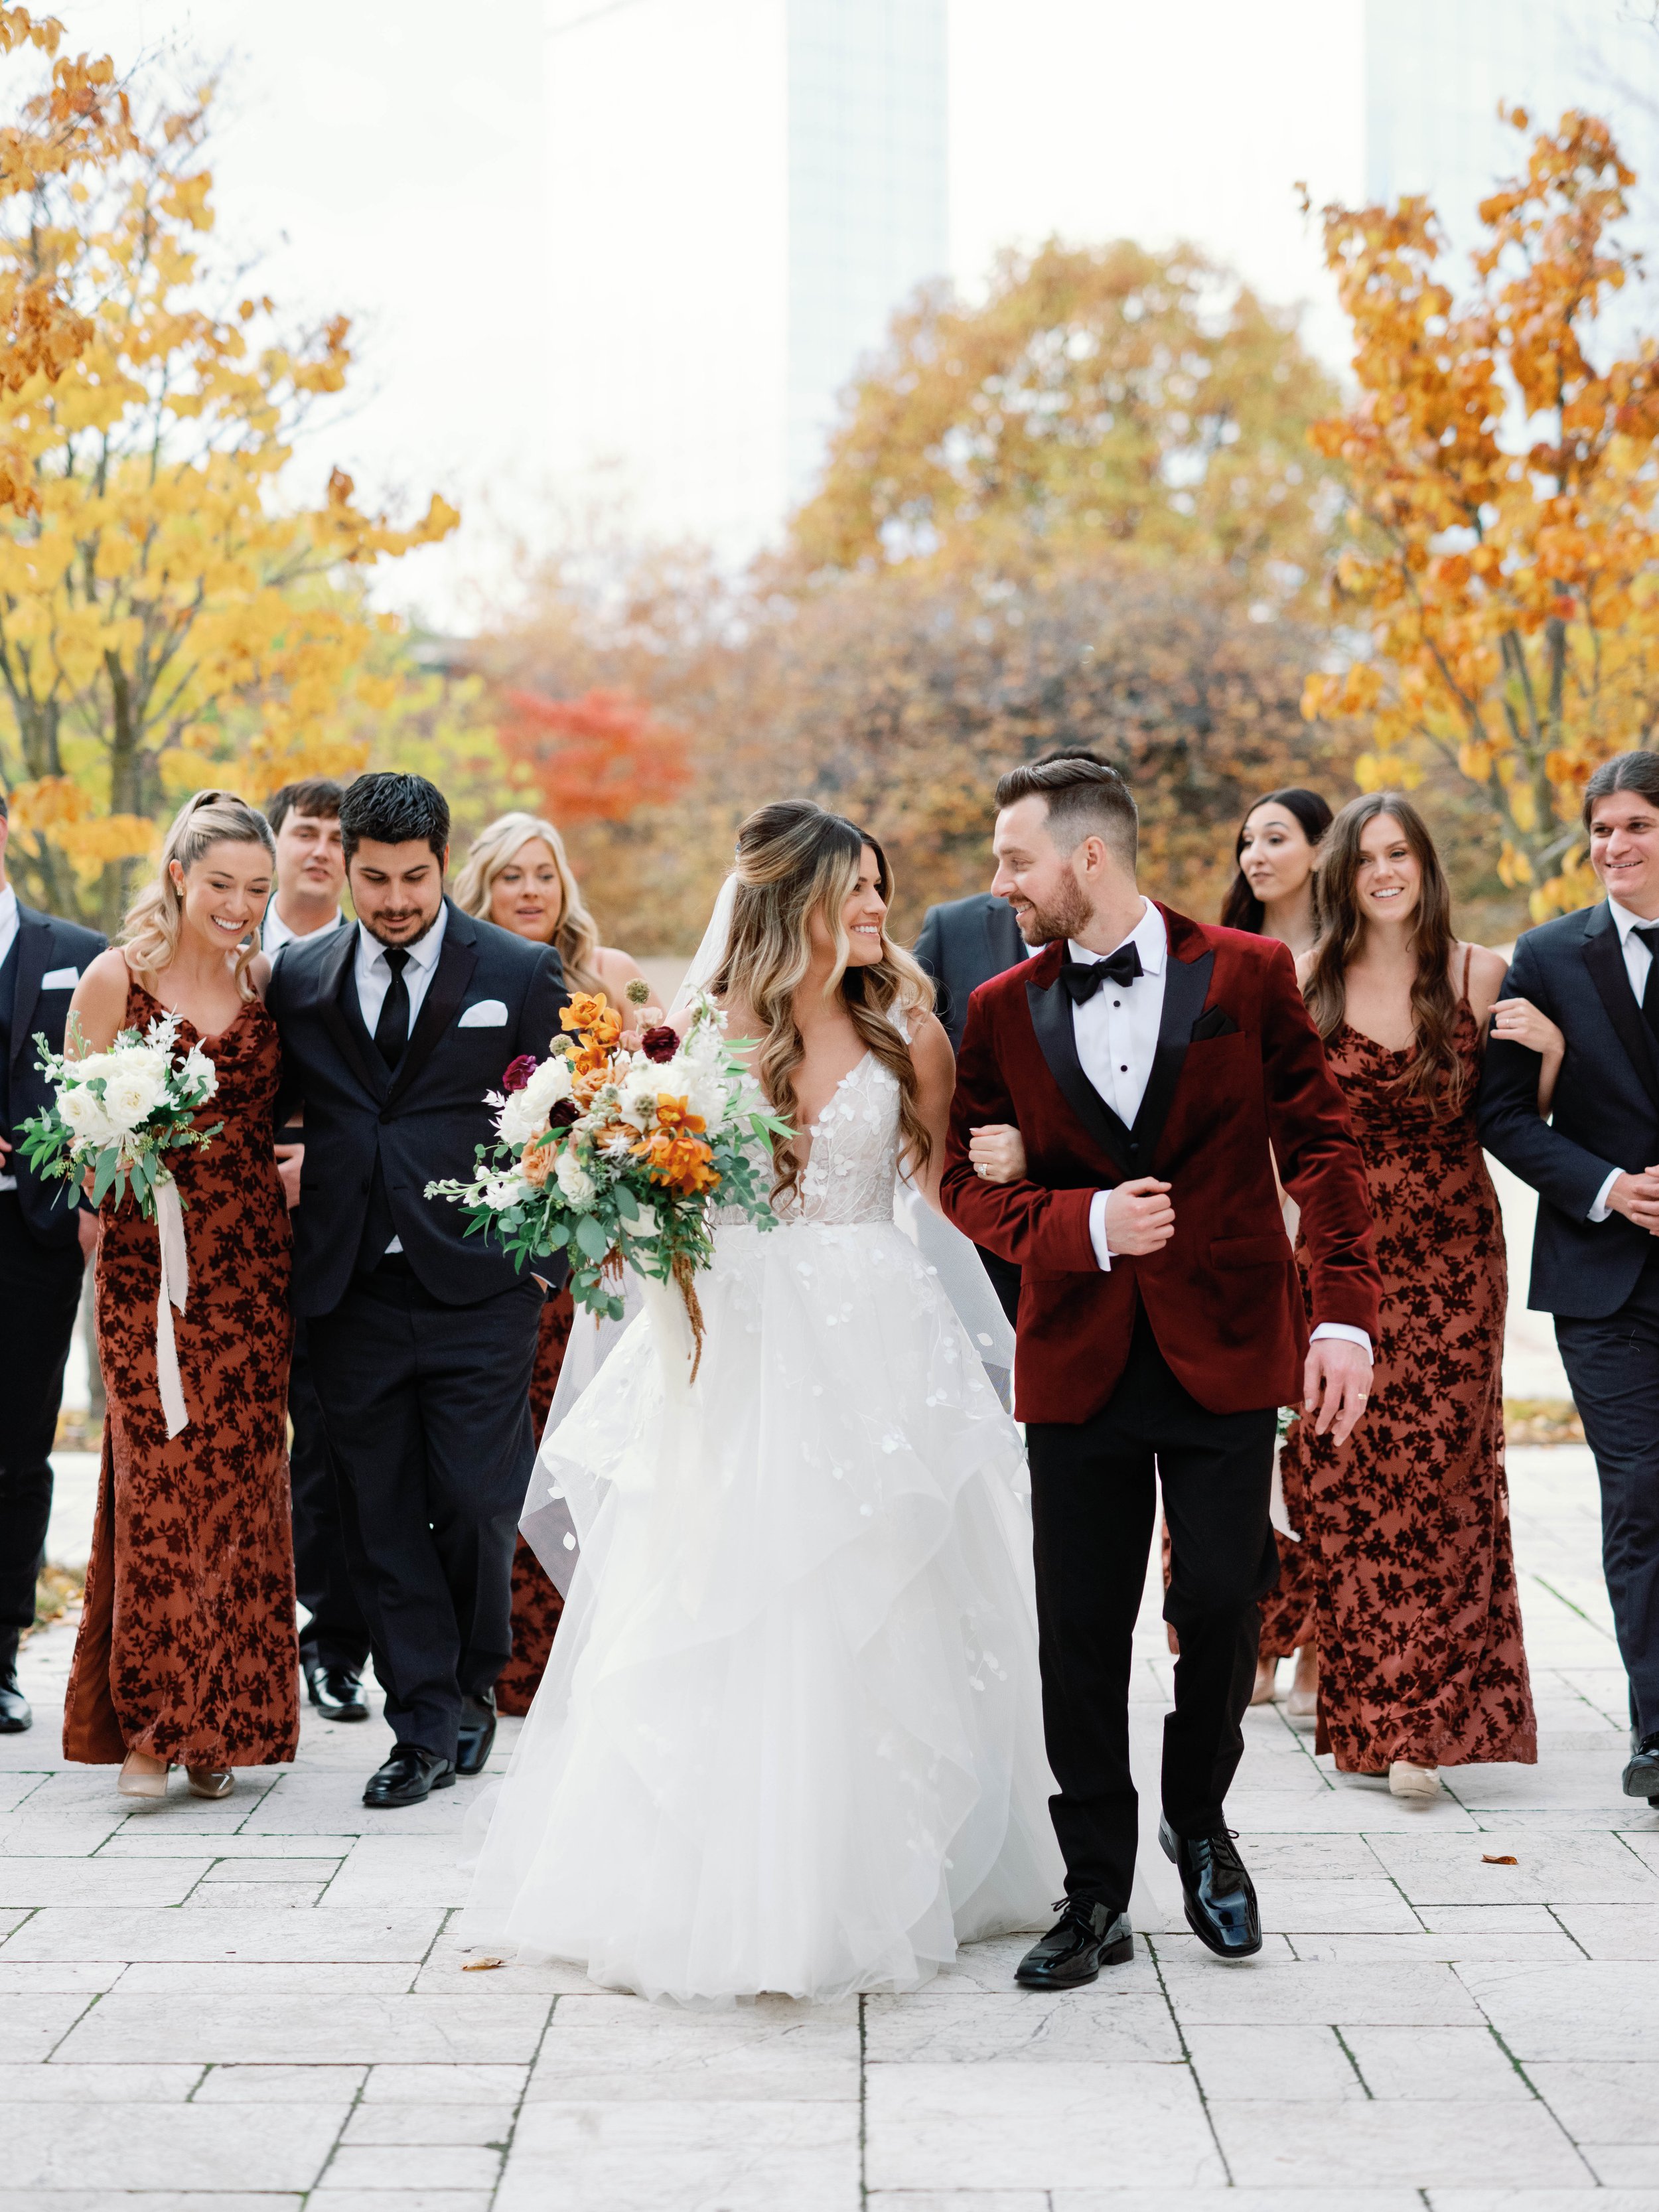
(617,1149)
(119,1113)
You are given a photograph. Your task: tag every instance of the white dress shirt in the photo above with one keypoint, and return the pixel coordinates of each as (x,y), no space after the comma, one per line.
(275,933)
(1638,962)
(1116,1033)
(374,979)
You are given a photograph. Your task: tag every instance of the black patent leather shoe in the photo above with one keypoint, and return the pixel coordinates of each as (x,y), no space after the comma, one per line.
(1219,1896)
(1642,1775)
(410,1774)
(15,1713)
(1085,1938)
(336,1692)
(476,1735)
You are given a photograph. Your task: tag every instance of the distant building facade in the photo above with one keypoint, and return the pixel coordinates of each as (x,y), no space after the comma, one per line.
(741,192)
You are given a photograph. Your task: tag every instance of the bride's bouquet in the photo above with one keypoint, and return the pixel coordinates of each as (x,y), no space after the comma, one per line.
(119,1113)
(617,1149)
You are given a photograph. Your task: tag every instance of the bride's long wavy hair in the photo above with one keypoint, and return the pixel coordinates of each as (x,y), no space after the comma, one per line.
(154,921)
(795,859)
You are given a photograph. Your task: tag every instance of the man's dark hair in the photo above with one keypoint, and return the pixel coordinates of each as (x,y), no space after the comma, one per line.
(1637,772)
(317,796)
(391,809)
(1085,798)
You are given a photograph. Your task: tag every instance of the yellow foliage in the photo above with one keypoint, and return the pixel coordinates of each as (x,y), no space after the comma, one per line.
(167,617)
(1505,557)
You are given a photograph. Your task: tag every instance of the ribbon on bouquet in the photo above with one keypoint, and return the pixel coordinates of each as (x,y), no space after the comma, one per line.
(175,1289)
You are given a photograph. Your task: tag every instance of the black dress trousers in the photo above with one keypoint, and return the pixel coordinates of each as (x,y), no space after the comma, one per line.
(40,1291)
(1612,1367)
(1092,1503)
(427,1411)
(337,1635)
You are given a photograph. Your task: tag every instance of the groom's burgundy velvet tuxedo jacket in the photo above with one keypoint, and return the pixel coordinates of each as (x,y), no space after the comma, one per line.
(1239,1069)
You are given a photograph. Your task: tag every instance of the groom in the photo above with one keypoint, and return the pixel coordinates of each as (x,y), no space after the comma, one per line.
(1155,1068)
(422,1341)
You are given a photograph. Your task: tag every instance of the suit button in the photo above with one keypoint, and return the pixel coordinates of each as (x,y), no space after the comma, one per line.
(1134,1148)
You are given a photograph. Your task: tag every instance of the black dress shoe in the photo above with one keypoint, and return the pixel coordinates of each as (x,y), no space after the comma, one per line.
(476,1735)
(1085,1938)
(15,1714)
(410,1775)
(336,1692)
(1219,1896)
(1642,1775)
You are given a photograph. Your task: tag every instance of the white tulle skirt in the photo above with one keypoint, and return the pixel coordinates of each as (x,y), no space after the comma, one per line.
(790,1737)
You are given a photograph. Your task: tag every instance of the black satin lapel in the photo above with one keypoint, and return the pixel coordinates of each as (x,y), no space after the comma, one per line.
(356,1047)
(34,947)
(1605,959)
(1186,984)
(1051,1017)
(438,1008)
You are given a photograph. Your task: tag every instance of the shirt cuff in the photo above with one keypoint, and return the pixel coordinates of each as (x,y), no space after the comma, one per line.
(1097,1230)
(1600,1209)
(1345,1333)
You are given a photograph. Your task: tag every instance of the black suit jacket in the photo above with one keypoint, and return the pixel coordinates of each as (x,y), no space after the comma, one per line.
(962,946)
(45,947)
(1605,1115)
(423,1122)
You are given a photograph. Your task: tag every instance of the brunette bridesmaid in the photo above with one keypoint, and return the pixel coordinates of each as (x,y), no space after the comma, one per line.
(187,1654)
(518,875)
(1275,893)
(1405,1527)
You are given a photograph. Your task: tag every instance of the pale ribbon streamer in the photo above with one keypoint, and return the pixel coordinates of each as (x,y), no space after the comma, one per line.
(175,1289)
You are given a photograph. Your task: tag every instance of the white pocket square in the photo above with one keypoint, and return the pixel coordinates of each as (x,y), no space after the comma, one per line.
(60,979)
(487,1014)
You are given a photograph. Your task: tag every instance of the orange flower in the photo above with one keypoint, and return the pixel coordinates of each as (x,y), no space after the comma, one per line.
(584,1010)
(591,1060)
(681,1162)
(672,1114)
(536,1163)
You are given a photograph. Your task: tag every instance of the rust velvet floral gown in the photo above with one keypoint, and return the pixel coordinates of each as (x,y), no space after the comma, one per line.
(1405,1553)
(537,1604)
(187,1647)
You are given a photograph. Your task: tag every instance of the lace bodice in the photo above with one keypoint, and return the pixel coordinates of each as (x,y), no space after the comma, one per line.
(854,1160)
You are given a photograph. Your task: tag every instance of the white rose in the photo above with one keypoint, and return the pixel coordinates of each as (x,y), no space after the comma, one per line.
(522,1118)
(83,1116)
(200,1070)
(499,1192)
(578,1186)
(551,1082)
(132,1096)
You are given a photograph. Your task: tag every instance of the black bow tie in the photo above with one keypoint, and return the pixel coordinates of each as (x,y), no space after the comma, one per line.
(1081,979)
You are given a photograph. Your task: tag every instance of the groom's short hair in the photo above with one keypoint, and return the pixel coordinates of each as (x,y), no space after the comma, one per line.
(1085,798)
(1637,772)
(390,808)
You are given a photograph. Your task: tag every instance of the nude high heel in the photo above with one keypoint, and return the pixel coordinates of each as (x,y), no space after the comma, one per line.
(211,1781)
(1267,1682)
(150,1780)
(1417,1784)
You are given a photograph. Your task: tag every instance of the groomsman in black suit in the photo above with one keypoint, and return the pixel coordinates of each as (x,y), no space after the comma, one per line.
(1595,1165)
(46,1236)
(305,817)
(422,1339)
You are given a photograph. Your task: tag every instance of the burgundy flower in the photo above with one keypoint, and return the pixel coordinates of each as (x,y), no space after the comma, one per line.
(660,1044)
(562,1113)
(519,1072)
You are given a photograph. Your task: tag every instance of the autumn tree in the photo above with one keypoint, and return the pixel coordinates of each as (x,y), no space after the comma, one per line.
(1501,468)
(597,758)
(167,618)
(1101,398)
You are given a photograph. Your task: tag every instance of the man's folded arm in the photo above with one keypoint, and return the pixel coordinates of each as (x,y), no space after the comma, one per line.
(1562,1171)
(1022,1221)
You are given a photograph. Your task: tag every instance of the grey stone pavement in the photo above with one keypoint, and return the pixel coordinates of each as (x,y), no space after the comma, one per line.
(257,2004)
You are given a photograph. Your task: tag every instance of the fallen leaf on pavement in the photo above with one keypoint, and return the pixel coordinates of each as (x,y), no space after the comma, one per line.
(1496,1859)
(481,1965)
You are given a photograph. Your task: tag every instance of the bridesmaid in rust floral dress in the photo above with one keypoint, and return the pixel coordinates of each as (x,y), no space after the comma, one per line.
(1405,1527)
(518,876)
(187,1653)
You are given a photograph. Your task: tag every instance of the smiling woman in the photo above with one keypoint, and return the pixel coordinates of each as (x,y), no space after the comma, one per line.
(186,1652)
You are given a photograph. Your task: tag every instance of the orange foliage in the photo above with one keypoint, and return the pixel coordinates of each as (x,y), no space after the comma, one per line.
(597,758)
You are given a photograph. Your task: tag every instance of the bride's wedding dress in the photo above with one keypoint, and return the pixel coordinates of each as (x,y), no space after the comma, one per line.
(790,1737)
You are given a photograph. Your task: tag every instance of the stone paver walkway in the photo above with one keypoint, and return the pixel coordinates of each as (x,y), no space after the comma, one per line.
(257,2004)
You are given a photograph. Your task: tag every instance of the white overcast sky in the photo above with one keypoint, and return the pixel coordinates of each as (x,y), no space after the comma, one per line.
(387,156)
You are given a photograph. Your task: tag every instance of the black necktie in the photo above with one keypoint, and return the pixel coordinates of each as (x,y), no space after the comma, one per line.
(1081,979)
(1649,937)
(392,1030)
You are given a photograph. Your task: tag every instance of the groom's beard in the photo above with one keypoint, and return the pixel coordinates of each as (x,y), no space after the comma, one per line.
(1068,914)
(397,943)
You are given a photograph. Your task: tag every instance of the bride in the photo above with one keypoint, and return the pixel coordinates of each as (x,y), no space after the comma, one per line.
(789,1740)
